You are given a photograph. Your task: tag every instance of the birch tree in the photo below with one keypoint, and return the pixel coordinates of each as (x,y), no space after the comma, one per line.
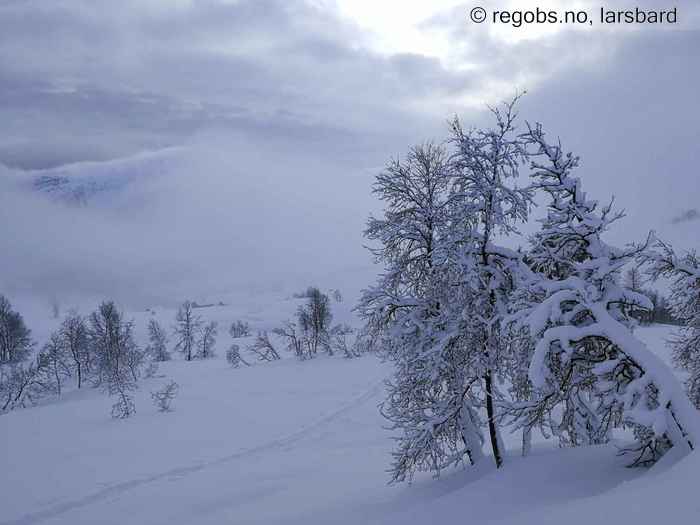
(591,374)
(186,330)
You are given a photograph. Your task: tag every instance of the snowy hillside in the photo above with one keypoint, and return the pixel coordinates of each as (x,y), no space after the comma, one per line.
(295,443)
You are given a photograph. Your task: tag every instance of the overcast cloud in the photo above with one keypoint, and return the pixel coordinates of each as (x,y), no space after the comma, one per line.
(277,113)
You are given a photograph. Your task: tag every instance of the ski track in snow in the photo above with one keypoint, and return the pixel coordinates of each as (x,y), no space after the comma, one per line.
(125,486)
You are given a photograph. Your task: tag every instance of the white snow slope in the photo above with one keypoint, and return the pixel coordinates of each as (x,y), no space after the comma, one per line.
(297,443)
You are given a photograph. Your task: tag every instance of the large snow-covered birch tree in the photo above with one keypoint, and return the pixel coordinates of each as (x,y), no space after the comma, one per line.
(486,204)
(438,308)
(428,401)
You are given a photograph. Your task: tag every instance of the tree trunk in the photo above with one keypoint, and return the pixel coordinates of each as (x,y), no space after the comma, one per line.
(493,432)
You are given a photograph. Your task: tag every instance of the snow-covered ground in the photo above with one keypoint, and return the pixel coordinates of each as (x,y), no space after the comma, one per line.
(297,443)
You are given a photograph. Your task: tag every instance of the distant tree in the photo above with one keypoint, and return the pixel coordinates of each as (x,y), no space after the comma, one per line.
(187,327)
(15,337)
(74,336)
(239,329)
(263,348)
(117,356)
(164,397)
(55,356)
(314,319)
(207,340)
(684,273)
(157,342)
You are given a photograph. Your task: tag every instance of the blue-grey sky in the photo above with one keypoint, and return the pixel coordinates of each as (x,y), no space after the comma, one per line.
(258,125)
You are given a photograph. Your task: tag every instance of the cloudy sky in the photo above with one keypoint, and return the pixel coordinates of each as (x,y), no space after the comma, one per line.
(265,121)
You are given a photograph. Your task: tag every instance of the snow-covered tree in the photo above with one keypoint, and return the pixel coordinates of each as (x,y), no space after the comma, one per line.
(438,308)
(590,372)
(15,338)
(186,329)
(683,271)
(157,342)
(207,340)
(487,204)
(401,312)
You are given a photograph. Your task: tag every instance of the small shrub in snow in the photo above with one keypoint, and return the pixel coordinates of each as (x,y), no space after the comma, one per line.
(339,341)
(233,356)
(164,397)
(157,342)
(124,407)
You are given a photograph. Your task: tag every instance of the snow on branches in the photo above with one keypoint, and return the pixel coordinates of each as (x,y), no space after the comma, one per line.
(585,358)
(482,335)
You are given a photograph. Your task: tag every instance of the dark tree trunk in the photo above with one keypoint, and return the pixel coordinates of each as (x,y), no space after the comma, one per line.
(493,431)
